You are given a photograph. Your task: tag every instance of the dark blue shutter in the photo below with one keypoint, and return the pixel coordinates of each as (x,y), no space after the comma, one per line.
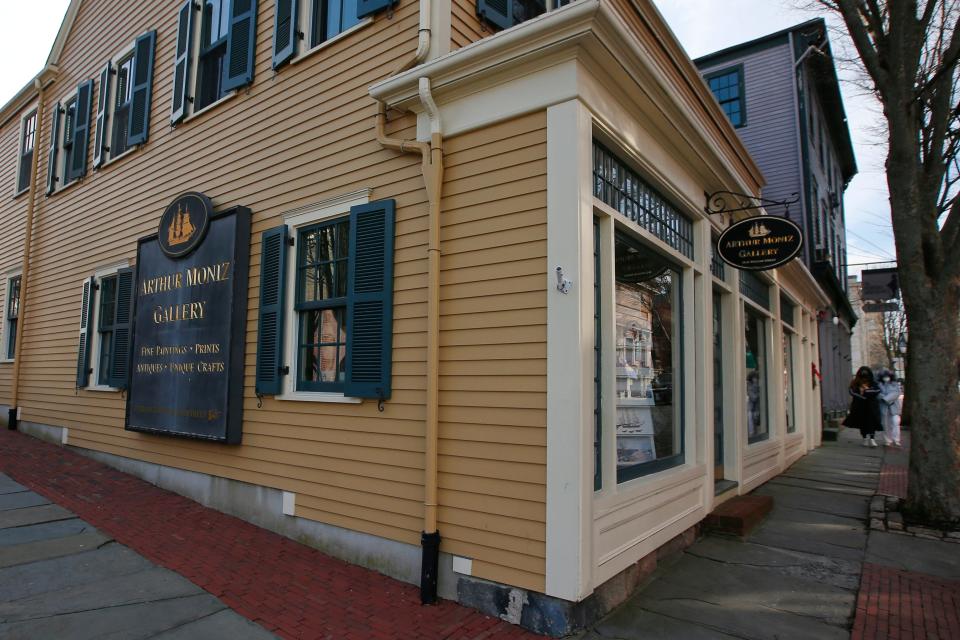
(77,166)
(54,146)
(370,300)
(285,31)
(241,44)
(100,139)
(368,7)
(181,62)
(497,12)
(273,271)
(119,375)
(86,334)
(142,88)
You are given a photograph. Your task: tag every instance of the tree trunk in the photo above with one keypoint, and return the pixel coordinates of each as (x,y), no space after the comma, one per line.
(934,408)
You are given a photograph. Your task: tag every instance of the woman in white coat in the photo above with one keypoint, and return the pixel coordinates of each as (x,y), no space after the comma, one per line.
(890,406)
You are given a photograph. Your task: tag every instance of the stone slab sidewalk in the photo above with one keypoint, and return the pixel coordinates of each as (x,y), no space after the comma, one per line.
(86,550)
(813,569)
(62,578)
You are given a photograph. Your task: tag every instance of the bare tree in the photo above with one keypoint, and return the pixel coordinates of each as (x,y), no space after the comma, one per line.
(894,324)
(909,50)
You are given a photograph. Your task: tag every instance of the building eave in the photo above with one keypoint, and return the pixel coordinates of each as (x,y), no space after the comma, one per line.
(591,28)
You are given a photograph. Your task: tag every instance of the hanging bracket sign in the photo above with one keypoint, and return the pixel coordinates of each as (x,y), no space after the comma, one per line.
(760,243)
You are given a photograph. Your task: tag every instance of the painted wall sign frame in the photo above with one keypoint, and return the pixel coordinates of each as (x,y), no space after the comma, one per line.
(189,333)
(760,243)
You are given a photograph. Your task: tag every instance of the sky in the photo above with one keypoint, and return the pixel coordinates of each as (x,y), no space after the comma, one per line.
(701,26)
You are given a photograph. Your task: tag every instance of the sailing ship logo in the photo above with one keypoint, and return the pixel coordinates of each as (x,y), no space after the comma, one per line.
(180,229)
(759,230)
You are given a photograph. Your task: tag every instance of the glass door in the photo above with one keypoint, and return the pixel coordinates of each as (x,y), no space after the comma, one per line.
(717,388)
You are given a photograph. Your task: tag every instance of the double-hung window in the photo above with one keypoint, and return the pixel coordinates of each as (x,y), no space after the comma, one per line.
(214,54)
(326,310)
(105,317)
(123,100)
(508,13)
(300,26)
(321,305)
(11,315)
(69,137)
(28,138)
(727,86)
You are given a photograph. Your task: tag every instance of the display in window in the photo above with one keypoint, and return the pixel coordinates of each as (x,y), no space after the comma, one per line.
(756,396)
(647,292)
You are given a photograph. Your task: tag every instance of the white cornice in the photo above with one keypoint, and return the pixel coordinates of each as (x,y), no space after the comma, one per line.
(589,32)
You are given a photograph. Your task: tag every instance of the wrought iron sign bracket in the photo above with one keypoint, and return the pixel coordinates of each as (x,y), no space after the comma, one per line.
(732,202)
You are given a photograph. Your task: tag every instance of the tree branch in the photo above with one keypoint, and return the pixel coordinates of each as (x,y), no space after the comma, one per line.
(866,46)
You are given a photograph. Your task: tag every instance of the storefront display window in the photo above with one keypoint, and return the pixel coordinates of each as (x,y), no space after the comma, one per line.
(756,358)
(788,381)
(649,390)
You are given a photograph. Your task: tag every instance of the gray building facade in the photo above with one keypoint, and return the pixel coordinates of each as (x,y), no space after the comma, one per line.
(782,94)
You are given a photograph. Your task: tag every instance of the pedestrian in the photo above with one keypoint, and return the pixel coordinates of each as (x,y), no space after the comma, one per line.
(864,406)
(890,407)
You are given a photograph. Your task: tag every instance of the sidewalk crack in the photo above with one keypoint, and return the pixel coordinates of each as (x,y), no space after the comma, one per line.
(183,624)
(102,608)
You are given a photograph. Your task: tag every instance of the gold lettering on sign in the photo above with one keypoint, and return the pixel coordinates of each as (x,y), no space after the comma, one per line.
(204,275)
(178,312)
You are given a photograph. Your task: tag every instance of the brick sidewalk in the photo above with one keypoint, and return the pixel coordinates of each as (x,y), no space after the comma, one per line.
(903,605)
(291,589)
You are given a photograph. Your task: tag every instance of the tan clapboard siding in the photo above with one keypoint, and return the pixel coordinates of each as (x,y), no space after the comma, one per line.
(13,216)
(493,350)
(465,27)
(298,136)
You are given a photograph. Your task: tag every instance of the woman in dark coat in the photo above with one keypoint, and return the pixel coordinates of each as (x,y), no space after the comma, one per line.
(865,406)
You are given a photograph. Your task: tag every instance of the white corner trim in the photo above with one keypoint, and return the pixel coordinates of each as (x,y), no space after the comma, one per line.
(289,503)
(463,566)
(569,352)
(64,434)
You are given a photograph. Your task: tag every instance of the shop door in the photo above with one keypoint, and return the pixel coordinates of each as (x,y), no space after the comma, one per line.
(717,389)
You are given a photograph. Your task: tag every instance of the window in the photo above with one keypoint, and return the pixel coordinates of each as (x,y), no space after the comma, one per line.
(71,139)
(124,98)
(321,307)
(105,320)
(727,87)
(788,380)
(619,186)
(326,290)
(11,316)
(508,13)
(28,138)
(218,52)
(648,340)
(756,380)
(301,25)
(597,363)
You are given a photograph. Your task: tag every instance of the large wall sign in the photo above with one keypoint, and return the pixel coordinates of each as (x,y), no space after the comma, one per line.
(761,243)
(186,374)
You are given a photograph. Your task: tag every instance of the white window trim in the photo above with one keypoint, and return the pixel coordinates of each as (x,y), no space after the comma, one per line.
(111,106)
(306,20)
(30,111)
(4,331)
(98,275)
(296,219)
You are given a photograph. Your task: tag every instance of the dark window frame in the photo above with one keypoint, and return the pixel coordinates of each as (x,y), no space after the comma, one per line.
(211,56)
(740,99)
(319,21)
(66,140)
(11,314)
(338,303)
(678,378)
(764,323)
(105,326)
(28,137)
